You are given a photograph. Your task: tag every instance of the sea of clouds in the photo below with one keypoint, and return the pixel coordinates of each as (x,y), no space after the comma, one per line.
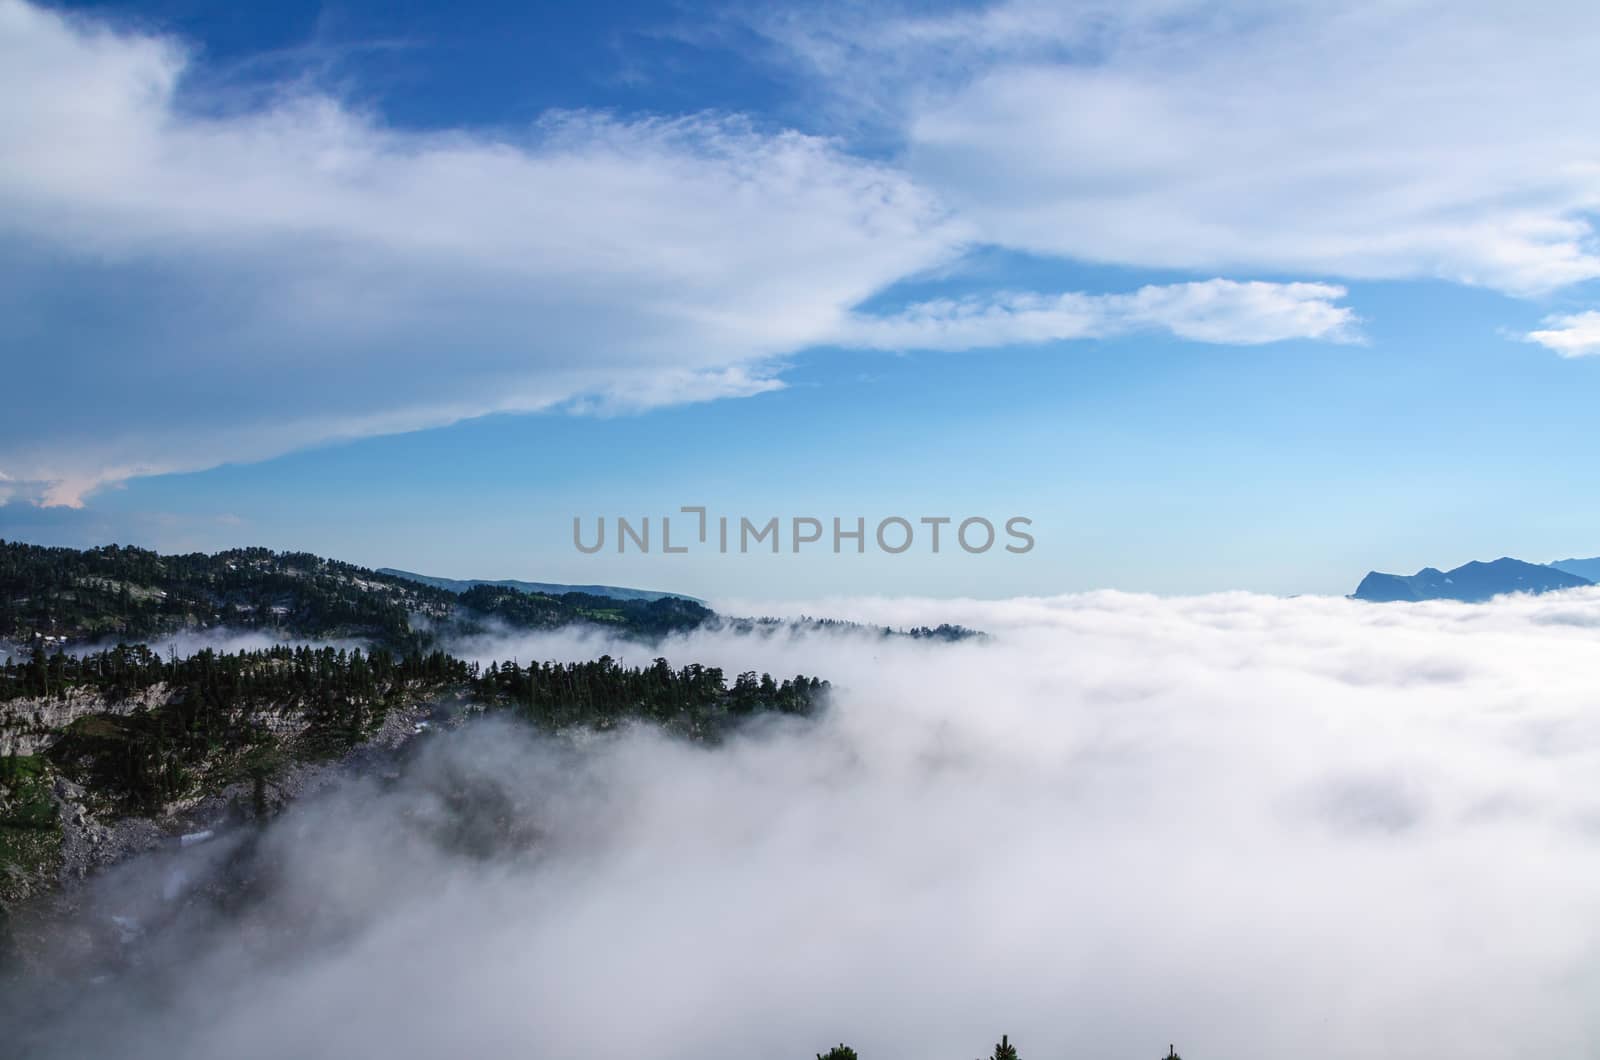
(1254,827)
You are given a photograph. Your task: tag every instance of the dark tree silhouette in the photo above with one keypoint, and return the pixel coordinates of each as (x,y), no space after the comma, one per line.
(218,706)
(137,595)
(1004,1050)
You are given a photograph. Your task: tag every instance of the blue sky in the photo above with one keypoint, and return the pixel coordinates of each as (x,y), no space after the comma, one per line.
(1220,296)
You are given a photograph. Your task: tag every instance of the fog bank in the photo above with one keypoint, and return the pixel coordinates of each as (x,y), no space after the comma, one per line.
(1252,826)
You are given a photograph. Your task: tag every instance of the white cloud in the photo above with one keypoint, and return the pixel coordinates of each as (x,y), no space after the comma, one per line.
(230,287)
(1573,335)
(1219,311)
(1255,827)
(1375,140)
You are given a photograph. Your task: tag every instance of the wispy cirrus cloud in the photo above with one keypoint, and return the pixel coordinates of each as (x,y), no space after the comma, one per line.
(1432,139)
(1213,311)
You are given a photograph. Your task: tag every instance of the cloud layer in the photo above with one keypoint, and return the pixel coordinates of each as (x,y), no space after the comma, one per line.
(1255,827)
(1221,311)
(184,284)
(185,281)
(1383,140)
(1572,335)
(302,272)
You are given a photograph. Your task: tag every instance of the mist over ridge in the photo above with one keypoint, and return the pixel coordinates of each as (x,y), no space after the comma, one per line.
(1020,387)
(1256,826)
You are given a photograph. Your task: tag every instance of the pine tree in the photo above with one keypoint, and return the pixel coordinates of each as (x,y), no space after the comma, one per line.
(1004,1050)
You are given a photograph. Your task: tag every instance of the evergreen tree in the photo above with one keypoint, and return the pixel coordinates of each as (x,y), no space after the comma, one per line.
(1004,1050)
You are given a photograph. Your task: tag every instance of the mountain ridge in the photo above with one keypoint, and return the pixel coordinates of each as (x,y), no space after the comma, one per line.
(458,585)
(1472,582)
(1583,568)
(119,593)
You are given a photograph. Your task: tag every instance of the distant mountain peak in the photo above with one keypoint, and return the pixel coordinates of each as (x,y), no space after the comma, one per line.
(1472,582)
(1583,568)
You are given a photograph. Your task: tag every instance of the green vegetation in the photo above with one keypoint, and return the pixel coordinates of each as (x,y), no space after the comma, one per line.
(694,701)
(217,723)
(219,678)
(175,728)
(215,718)
(132,594)
(25,778)
(1004,1050)
(523,610)
(221,715)
(945,631)
(30,828)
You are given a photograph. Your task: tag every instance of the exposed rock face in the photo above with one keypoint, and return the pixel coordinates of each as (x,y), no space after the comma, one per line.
(31,726)
(90,842)
(92,836)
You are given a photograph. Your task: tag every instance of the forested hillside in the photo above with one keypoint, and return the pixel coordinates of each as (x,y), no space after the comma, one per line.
(517,609)
(217,722)
(309,702)
(130,594)
(103,720)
